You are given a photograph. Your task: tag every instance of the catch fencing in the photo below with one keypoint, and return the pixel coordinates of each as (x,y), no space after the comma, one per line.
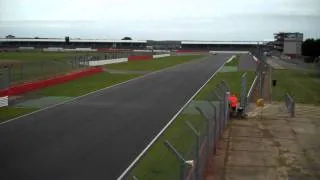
(261,85)
(204,122)
(20,72)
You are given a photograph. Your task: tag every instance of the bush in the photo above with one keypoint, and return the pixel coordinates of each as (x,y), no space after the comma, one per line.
(309,60)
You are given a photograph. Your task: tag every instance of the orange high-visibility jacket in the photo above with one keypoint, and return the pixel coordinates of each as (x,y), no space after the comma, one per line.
(233,100)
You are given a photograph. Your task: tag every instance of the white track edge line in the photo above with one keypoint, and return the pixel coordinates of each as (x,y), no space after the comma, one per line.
(96,91)
(168,124)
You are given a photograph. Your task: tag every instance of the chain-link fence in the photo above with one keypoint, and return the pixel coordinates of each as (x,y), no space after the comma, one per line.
(13,73)
(187,153)
(261,85)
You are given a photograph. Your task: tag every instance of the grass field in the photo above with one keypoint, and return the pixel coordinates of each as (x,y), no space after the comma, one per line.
(303,86)
(233,62)
(153,64)
(85,85)
(159,163)
(233,79)
(11,112)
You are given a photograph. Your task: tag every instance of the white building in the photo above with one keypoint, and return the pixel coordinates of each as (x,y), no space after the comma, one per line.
(289,43)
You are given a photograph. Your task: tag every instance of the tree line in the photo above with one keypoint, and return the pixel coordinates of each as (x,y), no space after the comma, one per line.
(311,48)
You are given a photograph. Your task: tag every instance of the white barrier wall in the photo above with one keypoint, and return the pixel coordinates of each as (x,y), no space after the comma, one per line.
(148,50)
(109,61)
(54,49)
(232,52)
(26,48)
(4,101)
(160,56)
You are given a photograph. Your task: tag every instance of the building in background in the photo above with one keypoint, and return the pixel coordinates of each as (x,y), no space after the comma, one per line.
(288,43)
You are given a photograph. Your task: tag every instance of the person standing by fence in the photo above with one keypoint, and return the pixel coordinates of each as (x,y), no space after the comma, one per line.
(233,103)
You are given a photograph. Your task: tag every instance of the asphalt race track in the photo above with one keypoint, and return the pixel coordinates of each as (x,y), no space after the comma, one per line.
(99,135)
(247,63)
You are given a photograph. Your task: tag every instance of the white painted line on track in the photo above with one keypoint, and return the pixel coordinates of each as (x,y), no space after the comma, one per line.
(167,125)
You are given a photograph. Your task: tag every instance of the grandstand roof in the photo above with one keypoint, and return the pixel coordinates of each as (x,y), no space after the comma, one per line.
(71,40)
(221,42)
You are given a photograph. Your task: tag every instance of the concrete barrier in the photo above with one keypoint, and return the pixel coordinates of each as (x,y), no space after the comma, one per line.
(4,101)
(160,56)
(140,58)
(230,52)
(52,49)
(108,61)
(26,48)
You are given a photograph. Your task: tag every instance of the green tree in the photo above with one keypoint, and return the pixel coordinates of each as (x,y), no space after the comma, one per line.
(317,47)
(309,48)
(126,38)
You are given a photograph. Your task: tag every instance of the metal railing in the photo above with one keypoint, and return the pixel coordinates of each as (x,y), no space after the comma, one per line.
(290,104)
(191,162)
(261,85)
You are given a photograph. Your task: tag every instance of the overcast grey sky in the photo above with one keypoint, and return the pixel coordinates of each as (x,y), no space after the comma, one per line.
(159,19)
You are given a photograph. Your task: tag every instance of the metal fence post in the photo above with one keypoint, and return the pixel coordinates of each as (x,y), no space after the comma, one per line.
(226,100)
(10,74)
(21,72)
(216,129)
(293,109)
(207,128)
(178,156)
(197,164)
(243,90)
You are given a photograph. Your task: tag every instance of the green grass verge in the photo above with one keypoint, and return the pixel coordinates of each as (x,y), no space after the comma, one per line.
(233,62)
(233,79)
(153,64)
(7,113)
(42,56)
(70,89)
(159,163)
(85,85)
(303,86)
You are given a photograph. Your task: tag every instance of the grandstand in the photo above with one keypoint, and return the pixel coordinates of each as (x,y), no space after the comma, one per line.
(11,44)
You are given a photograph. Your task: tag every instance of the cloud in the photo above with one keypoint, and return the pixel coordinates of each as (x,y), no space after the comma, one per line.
(186,19)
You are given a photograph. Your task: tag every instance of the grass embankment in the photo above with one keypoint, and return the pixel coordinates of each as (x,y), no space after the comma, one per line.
(159,163)
(153,65)
(7,113)
(303,86)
